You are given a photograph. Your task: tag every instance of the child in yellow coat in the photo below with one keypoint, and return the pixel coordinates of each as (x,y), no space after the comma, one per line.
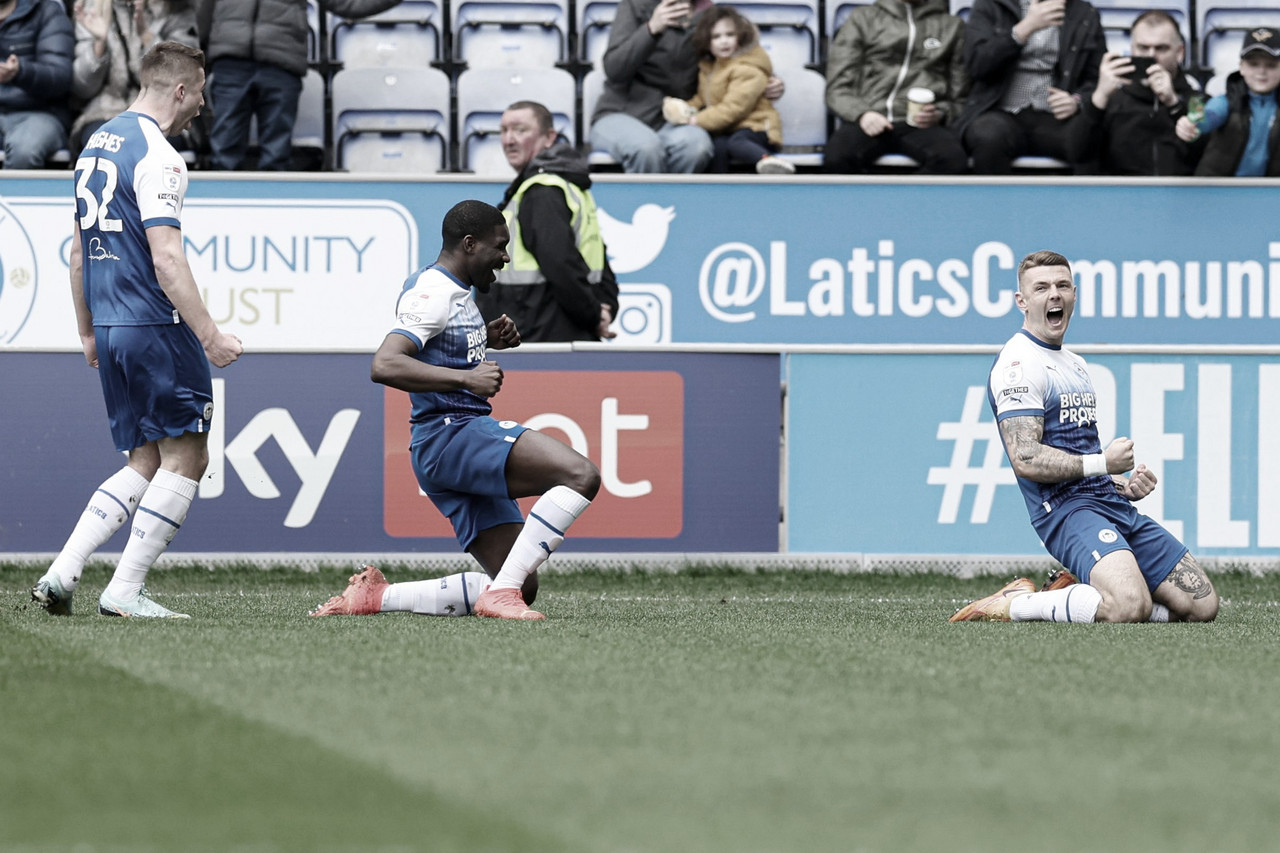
(733,71)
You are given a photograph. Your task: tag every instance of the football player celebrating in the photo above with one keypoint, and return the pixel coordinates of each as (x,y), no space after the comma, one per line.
(1130,568)
(472,466)
(143,325)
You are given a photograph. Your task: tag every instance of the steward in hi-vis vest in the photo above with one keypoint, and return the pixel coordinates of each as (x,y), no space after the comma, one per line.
(559,280)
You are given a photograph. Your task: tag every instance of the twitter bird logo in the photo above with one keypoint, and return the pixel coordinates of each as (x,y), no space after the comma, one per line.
(634,245)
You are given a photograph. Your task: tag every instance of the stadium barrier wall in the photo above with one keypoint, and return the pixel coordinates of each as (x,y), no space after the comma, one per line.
(312,263)
(880,303)
(906,457)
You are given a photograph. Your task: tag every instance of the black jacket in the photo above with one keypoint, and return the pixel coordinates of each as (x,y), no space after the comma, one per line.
(1226,144)
(567,306)
(269,31)
(991,54)
(39,33)
(1134,135)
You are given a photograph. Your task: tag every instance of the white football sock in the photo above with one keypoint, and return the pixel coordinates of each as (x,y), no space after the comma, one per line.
(542,534)
(454,595)
(1159,613)
(160,513)
(107,511)
(1075,603)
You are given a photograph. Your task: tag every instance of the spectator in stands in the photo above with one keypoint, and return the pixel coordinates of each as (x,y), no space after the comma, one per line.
(1031,63)
(881,52)
(649,56)
(1125,127)
(111,38)
(36,44)
(733,71)
(257,52)
(558,285)
(1244,136)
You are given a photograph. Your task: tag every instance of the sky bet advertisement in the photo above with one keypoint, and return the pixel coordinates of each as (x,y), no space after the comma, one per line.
(306,454)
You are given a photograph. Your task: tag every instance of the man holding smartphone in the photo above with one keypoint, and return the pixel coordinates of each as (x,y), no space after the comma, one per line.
(1126,127)
(1032,63)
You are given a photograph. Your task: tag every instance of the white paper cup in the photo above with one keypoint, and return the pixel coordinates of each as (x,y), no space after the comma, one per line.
(917,98)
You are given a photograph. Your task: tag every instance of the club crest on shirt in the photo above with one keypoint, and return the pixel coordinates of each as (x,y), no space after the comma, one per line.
(172,176)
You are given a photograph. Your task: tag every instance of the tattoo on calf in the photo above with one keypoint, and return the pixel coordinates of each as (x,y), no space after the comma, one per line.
(1190,578)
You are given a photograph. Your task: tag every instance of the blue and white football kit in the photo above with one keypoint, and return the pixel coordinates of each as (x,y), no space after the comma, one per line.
(154,372)
(1079,521)
(459,452)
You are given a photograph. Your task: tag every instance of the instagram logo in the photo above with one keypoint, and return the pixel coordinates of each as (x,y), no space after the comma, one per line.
(644,314)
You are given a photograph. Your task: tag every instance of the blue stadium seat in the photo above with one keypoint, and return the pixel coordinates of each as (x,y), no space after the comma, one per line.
(1118,16)
(594,21)
(1221,30)
(803,109)
(837,11)
(788,31)
(510,34)
(308,127)
(592,86)
(483,95)
(391,120)
(405,35)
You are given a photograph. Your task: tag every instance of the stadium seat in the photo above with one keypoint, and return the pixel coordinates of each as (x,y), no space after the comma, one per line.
(308,127)
(837,11)
(405,35)
(483,95)
(788,30)
(391,119)
(510,34)
(592,86)
(1221,31)
(803,109)
(1041,165)
(1118,16)
(594,21)
(313,31)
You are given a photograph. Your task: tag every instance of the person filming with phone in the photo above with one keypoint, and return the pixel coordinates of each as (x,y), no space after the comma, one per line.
(1032,64)
(1126,126)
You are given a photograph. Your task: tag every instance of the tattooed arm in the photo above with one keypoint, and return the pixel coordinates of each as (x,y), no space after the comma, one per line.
(1036,461)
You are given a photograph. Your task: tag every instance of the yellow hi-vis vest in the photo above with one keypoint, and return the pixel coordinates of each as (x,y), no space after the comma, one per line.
(523,268)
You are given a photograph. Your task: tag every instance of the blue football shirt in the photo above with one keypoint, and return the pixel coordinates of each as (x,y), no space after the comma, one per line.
(1033,378)
(128,179)
(438,313)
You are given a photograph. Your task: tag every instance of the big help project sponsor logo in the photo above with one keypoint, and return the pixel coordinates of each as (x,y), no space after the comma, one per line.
(629,423)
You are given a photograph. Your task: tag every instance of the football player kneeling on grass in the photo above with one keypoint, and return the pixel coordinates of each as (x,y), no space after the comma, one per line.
(1130,568)
(472,466)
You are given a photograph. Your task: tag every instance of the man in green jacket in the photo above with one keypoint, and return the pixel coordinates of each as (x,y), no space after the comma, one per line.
(880,54)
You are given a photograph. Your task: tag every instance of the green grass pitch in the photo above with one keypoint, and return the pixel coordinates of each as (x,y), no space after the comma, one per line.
(716,710)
